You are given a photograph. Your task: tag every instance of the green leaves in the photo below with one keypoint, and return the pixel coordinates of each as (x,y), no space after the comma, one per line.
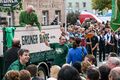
(101,4)
(72,17)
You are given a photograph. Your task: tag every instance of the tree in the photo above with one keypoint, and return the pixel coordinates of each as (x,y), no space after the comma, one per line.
(72,17)
(101,4)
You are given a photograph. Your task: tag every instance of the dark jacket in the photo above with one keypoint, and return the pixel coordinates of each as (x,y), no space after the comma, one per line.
(10,56)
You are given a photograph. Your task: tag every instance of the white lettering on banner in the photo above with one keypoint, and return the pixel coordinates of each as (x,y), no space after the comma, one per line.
(8,1)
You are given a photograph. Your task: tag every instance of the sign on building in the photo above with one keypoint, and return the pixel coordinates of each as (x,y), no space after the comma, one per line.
(9,3)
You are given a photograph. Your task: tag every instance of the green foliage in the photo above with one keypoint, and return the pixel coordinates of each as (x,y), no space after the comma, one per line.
(118,2)
(101,4)
(72,17)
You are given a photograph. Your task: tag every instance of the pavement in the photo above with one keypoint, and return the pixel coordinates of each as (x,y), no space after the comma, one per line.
(100,63)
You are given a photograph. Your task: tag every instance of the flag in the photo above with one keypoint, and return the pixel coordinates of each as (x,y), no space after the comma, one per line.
(115,19)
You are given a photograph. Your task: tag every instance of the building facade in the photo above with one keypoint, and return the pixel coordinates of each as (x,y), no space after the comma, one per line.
(78,5)
(46,10)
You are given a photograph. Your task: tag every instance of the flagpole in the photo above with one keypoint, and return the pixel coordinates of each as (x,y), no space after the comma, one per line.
(65,16)
(118,44)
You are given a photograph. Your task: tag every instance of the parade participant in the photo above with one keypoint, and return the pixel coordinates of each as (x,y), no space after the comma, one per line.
(61,50)
(109,41)
(101,46)
(92,44)
(23,58)
(115,42)
(11,54)
(29,17)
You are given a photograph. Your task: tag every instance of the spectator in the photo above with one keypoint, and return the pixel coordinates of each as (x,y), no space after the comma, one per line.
(78,23)
(61,50)
(77,65)
(113,62)
(66,64)
(68,73)
(54,70)
(11,54)
(33,71)
(70,42)
(55,21)
(115,74)
(104,71)
(12,75)
(93,74)
(76,53)
(23,58)
(112,54)
(25,75)
(84,67)
(90,58)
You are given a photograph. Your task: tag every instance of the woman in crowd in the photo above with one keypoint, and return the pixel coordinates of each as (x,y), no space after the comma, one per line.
(76,53)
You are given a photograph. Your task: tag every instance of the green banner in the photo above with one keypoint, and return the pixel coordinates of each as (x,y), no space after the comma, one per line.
(9,3)
(115,19)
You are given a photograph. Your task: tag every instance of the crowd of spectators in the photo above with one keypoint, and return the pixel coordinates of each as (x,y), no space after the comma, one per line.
(79,46)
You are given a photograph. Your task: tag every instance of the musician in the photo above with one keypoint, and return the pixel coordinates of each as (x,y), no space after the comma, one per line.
(92,44)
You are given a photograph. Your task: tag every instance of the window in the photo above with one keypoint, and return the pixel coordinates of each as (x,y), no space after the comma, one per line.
(58,14)
(69,5)
(77,4)
(84,4)
(45,18)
